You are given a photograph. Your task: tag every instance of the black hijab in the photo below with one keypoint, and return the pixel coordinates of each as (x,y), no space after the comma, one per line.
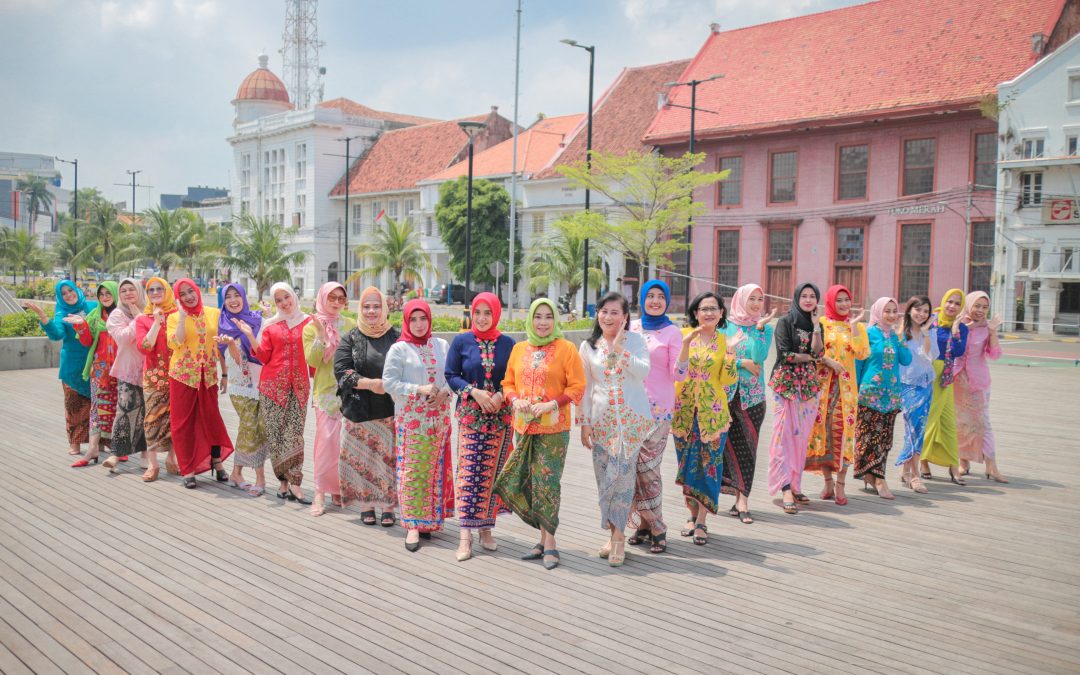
(799,318)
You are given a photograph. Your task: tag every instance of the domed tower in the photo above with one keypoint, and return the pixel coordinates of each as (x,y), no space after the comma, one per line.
(260,94)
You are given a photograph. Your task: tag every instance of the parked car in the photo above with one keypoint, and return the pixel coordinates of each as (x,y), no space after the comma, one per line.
(454,294)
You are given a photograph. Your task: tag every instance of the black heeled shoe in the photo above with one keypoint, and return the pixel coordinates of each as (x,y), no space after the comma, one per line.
(189,482)
(412,546)
(299,500)
(368,517)
(425,535)
(955,480)
(220,475)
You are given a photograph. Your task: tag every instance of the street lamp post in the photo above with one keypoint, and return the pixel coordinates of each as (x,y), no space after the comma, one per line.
(133,174)
(588,168)
(348,159)
(75,220)
(693,84)
(470,129)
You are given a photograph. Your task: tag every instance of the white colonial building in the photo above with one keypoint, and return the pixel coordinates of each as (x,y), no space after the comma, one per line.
(1037,284)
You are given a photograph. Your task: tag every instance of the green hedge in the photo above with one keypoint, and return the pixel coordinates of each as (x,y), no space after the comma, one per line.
(23,324)
(45,289)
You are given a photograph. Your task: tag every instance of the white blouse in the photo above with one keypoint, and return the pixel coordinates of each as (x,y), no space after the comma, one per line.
(404,370)
(622,376)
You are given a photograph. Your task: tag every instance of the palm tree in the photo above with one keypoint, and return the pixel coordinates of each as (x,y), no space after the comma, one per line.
(213,244)
(88,197)
(556,259)
(68,251)
(258,250)
(396,248)
(24,253)
(109,241)
(169,238)
(37,190)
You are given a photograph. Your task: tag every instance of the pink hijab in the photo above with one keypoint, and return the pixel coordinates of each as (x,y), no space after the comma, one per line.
(329,318)
(878,309)
(969,302)
(738,315)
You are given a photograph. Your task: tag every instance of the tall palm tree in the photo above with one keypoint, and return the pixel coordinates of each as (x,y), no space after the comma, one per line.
(169,238)
(36,189)
(88,197)
(213,245)
(69,251)
(556,259)
(396,248)
(23,253)
(258,250)
(111,242)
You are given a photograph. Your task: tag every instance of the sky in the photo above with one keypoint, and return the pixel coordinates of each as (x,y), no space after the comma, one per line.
(146,84)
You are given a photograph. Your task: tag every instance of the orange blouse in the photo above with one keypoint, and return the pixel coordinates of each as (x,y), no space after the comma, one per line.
(553,372)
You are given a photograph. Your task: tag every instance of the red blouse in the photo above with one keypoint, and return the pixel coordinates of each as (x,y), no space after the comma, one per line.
(285,368)
(157,354)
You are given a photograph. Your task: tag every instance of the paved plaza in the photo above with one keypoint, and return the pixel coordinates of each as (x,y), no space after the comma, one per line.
(104,573)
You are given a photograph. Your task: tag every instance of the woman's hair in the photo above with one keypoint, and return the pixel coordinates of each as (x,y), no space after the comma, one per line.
(915,301)
(610,297)
(691,312)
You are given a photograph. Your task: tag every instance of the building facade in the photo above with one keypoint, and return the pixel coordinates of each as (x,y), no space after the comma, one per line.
(1037,279)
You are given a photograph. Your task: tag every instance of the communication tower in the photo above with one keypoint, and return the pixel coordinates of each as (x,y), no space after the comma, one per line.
(300,53)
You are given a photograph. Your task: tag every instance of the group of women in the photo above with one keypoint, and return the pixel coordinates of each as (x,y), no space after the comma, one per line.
(143,368)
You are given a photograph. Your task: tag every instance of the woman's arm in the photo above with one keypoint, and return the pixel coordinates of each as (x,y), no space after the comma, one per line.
(393,377)
(584,409)
(635,356)
(455,357)
(313,345)
(860,344)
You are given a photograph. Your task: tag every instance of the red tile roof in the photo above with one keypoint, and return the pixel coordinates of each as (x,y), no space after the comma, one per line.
(402,157)
(353,108)
(621,115)
(880,58)
(536,147)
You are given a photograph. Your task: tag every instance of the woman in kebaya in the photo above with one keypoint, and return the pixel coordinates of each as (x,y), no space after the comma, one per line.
(94,335)
(940,445)
(972,384)
(321,339)
(917,380)
(128,434)
(151,342)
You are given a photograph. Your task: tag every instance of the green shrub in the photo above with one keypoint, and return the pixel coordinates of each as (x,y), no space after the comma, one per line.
(23,324)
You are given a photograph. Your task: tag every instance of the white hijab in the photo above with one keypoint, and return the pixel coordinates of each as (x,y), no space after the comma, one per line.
(291,320)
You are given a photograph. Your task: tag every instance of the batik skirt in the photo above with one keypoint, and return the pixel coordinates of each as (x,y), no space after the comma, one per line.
(648,485)
(793,420)
(916,405)
(128,434)
(251,446)
(740,450)
(156,422)
(366,469)
(873,440)
(424,469)
(103,408)
(484,443)
(327,451)
(76,416)
(831,446)
(701,467)
(531,481)
(284,429)
(199,435)
(973,430)
(940,445)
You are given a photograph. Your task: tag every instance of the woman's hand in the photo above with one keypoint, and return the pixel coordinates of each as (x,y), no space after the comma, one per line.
(735,339)
(751,367)
(484,399)
(586,435)
(224,340)
(320,330)
(540,409)
(29,306)
(223,385)
(837,367)
(426,390)
(857,318)
(689,337)
(244,328)
(521,405)
(73,319)
(439,399)
(994,323)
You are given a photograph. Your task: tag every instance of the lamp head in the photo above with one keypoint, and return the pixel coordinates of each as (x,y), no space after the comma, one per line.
(568,41)
(471,128)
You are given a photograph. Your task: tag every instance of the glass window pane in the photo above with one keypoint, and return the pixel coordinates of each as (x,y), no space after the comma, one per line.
(919,166)
(985,158)
(849,244)
(853,164)
(783,177)
(781,245)
(914,260)
(731,189)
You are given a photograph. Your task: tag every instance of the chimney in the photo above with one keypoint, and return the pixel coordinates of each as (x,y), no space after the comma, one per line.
(714,28)
(1038,43)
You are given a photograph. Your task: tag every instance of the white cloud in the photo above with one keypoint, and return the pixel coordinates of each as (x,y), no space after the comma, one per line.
(130,14)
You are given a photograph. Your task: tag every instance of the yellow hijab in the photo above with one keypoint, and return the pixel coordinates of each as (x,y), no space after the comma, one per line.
(946,321)
(168,305)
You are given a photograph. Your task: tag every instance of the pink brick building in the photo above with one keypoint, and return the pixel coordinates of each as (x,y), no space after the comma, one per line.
(858,150)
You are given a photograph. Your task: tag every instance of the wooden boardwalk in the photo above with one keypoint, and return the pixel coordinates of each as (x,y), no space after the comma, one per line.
(104,573)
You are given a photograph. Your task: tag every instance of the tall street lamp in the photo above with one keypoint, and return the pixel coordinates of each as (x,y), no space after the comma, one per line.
(75,220)
(470,129)
(133,174)
(348,160)
(693,84)
(588,168)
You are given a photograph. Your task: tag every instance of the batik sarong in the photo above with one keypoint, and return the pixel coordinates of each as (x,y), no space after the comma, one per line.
(366,469)
(740,450)
(531,481)
(974,434)
(76,416)
(916,405)
(835,443)
(873,440)
(128,437)
(103,409)
(251,446)
(701,467)
(940,445)
(424,470)
(484,443)
(648,485)
(284,429)
(156,418)
(793,421)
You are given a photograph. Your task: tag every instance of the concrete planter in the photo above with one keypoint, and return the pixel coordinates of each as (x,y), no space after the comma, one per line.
(24,353)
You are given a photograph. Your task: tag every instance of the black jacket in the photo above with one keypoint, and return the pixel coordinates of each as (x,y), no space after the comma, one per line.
(360,356)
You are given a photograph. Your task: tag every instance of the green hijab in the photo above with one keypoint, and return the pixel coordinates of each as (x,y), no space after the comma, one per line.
(96,322)
(556,333)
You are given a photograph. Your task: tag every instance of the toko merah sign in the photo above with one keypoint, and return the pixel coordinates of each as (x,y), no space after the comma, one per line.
(1061,211)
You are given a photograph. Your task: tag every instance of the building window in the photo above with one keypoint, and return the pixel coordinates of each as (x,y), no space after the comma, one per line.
(392,209)
(914,259)
(781,248)
(301,167)
(1034,148)
(410,206)
(429,227)
(727,261)
(981,256)
(782,176)
(1029,259)
(730,192)
(357,214)
(537,225)
(1031,185)
(848,259)
(245,176)
(919,158)
(1072,146)
(376,211)
(985,161)
(851,181)
(300,212)
(1074,88)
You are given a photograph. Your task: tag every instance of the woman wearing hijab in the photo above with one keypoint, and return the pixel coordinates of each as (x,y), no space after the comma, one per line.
(283,389)
(916,390)
(414,376)
(879,394)
(940,444)
(150,340)
(199,436)
(475,368)
(669,354)
(321,338)
(614,415)
(973,430)
(71,308)
(746,396)
(543,377)
(794,382)
(368,460)
(127,368)
(243,369)
(832,440)
(701,419)
(94,335)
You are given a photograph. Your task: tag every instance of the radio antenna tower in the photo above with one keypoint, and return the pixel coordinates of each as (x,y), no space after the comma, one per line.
(300,52)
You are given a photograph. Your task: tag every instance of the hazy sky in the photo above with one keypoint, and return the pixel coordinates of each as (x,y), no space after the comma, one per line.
(146,84)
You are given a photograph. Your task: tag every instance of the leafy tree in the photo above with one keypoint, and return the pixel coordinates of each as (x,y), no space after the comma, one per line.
(169,238)
(396,248)
(258,251)
(70,251)
(490,240)
(110,242)
(23,253)
(88,197)
(651,197)
(38,196)
(557,258)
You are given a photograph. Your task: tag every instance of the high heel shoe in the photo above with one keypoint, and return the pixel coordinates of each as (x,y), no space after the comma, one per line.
(299,500)
(841,500)
(827,491)
(464,551)
(618,553)
(997,478)
(219,474)
(956,480)
(86,461)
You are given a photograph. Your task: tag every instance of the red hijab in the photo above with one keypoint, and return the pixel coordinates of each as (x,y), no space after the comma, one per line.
(492,301)
(414,305)
(830,303)
(193,311)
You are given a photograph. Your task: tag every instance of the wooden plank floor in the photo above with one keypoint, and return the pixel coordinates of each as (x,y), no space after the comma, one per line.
(101,572)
